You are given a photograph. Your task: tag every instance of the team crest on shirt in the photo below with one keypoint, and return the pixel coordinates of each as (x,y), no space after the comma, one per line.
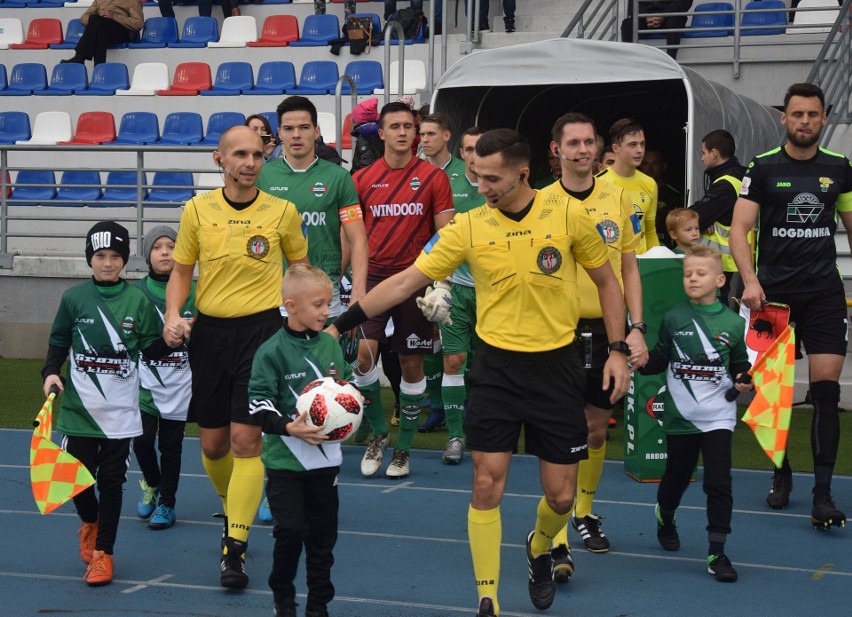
(549,259)
(257,247)
(318,189)
(824,183)
(128,324)
(608,230)
(415,183)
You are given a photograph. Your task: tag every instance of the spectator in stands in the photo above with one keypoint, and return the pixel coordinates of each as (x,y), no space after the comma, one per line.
(348,7)
(260,125)
(650,23)
(417,5)
(508,15)
(107,22)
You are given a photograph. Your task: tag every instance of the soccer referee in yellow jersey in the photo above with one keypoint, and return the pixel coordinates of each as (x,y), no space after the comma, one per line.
(522,248)
(237,235)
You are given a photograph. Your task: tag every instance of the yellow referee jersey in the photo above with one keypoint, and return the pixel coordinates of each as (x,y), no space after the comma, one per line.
(525,272)
(642,193)
(239,252)
(610,210)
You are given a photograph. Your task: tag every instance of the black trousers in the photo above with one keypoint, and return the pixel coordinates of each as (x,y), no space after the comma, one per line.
(715,449)
(99,34)
(304,505)
(106,460)
(164,473)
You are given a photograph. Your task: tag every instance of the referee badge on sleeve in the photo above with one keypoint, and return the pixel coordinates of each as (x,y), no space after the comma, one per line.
(549,259)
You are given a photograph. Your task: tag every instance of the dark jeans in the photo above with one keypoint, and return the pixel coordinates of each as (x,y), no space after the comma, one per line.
(99,34)
(166,472)
(205,7)
(485,7)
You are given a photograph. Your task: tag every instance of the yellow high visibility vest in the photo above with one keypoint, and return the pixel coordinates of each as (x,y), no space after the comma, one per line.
(719,238)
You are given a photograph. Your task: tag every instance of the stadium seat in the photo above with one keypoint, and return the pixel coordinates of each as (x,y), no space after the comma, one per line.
(41,33)
(218,123)
(751,18)
(274,77)
(367,75)
(209,181)
(106,79)
(78,4)
(65,80)
(189,79)
(138,127)
(374,17)
(73,32)
(277,31)
(277,1)
(25,78)
(183,128)
(418,38)
(724,24)
(14,126)
(231,79)
(13,4)
(819,20)
(45,4)
(121,186)
(198,30)
(346,133)
(94,127)
(11,32)
(327,124)
(272,116)
(236,32)
(157,32)
(414,78)
(70,189)
(318,77)
(45,191)
(318,31)
(49,128)
(4,82)
(148,77)
(171,178)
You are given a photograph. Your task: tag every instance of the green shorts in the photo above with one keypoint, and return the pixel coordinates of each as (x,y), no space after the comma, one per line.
(460,336)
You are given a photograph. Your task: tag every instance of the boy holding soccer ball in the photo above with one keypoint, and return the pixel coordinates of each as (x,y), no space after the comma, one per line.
(301,468)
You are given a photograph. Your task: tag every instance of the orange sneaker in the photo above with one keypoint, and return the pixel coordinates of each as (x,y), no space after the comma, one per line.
(88,533)
(99,571)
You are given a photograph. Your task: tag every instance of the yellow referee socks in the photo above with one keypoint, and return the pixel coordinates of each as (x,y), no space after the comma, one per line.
(547,526)
(588,478)
(244,494)
(485,533)
(219,472)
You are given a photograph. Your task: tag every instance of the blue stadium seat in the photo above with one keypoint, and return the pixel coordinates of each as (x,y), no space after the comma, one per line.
(182,128)
(218,123)
(171,178)
(774,18)
(69,189)
(25,78)
(318,77)
(157,32)
(73,32)
(138,127)
(723,23)
(319,30)
(198,30)
(420,37)
(66,79)
(45,4)
(14,126)
(377,21)
(274,77)
(231,79)
(272,116)
(4,82)
(41,193)
(106,79)
(13,4)
(121,186)
(367,75)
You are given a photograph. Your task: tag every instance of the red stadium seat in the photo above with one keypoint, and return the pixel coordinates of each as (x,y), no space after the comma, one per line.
(41,34)
(94,127)
(346,138)
(278,31)
(189,79)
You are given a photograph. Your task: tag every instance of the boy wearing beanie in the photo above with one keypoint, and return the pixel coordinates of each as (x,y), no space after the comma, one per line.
(165,390)
(101,327)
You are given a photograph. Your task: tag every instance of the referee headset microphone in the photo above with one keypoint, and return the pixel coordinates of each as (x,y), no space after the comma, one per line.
(226,170)
(520,179)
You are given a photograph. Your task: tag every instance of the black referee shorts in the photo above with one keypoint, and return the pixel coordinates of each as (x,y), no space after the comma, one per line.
(221,352)
(820,318)
(541,392)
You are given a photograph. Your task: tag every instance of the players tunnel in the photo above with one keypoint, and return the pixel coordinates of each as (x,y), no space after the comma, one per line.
(528,86)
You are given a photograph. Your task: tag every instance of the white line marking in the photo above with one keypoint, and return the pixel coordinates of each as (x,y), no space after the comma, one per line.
(147,584)
(394,488)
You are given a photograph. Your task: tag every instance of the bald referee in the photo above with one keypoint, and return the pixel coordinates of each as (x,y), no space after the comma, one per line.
(522,248)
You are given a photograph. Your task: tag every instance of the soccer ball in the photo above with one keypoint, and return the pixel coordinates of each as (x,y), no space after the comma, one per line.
(333,405)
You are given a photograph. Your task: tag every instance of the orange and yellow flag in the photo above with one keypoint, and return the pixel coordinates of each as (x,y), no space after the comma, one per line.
(56,476)
(770,411)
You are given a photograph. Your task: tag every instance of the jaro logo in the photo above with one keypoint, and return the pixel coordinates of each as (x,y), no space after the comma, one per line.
(257,247)
(318,189)
(783,184)
(824,183)
(805,208)
(415,183)
(608,231)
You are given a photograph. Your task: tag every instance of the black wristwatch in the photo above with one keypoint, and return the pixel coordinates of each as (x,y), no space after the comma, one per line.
(619,346)
(639,325)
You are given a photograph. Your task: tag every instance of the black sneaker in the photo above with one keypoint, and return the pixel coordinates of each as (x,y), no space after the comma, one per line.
(486,608)
(541,587)
(563,563)
(509,24)
(779,494)
(285,610)
(666,533)
(720,566)
(825,513)
(233,565)
(593,536)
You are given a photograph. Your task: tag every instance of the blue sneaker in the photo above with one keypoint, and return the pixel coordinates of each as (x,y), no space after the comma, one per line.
(163,518)
(434,421)
(148,502)
(264,514)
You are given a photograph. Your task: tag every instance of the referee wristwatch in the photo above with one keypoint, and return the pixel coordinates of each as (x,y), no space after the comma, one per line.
(639,325)
(619,346)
